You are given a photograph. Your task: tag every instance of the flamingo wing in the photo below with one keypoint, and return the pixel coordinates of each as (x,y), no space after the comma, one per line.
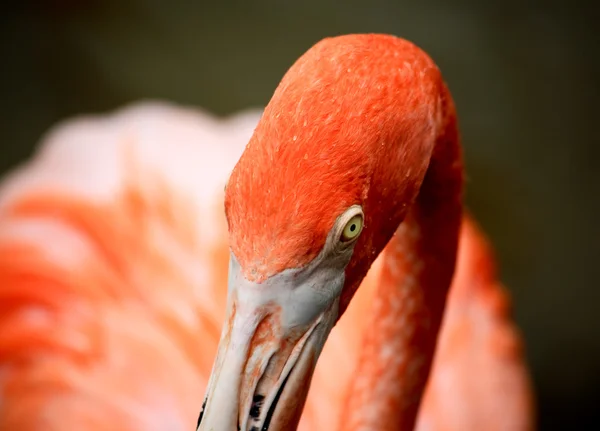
(479,379)
(113,265)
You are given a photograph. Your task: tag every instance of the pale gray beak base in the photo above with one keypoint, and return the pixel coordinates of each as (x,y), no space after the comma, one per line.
(273,336)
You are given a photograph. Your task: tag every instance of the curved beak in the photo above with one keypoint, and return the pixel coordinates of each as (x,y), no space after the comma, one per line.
(271,340)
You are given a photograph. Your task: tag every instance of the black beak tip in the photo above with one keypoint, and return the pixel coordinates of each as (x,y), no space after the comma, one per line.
(201,413)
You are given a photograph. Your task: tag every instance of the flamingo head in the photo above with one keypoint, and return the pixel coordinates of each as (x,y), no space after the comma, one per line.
(334,163)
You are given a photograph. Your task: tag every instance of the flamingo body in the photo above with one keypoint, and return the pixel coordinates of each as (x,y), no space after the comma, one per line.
(113,266)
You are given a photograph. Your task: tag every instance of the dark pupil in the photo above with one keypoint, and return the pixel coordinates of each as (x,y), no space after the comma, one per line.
(352,228)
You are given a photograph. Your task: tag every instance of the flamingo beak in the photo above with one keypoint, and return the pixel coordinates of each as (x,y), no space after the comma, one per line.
(273,335)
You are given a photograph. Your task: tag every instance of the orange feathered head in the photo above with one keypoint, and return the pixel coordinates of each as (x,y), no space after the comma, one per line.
(346,120)
(334,163)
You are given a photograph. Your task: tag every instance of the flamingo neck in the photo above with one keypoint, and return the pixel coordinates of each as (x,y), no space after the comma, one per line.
(405,315)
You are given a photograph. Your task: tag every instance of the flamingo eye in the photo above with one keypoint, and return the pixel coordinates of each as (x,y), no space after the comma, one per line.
(352,229)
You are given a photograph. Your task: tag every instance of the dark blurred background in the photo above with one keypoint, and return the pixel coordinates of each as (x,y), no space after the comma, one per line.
(524,79)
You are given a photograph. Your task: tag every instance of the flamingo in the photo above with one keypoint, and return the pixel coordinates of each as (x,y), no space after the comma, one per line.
(114,264)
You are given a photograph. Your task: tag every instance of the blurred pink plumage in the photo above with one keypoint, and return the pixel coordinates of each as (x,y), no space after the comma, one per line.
(113,266)
(119,267)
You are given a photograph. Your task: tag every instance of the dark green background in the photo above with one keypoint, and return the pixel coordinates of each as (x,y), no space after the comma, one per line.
(524,79)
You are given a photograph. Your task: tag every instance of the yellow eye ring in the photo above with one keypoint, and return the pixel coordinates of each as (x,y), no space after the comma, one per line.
(352,229)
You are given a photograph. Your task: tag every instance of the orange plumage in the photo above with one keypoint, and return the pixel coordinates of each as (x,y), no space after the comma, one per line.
(113,267)
(113,286)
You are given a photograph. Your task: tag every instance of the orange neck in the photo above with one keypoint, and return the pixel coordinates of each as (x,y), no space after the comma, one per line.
(406,312)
